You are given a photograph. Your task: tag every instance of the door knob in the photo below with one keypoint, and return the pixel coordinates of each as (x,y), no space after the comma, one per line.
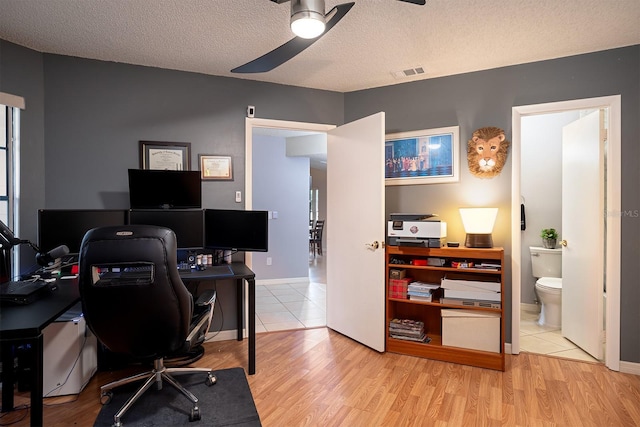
(373,246)
(563,243)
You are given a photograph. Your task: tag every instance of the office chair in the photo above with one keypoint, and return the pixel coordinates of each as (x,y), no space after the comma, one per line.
(136,304)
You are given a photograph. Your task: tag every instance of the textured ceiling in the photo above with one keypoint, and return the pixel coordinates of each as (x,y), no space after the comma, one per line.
(376,38)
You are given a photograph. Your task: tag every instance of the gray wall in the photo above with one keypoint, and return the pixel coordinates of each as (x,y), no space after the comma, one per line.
(486,98)
(281,184)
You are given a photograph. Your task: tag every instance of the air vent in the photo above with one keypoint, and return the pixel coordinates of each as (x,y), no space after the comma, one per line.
(409,72)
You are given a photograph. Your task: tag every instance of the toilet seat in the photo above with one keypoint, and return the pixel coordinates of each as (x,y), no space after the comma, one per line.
(551,284)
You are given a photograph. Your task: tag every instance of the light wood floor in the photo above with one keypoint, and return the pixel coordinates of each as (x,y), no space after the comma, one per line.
(317,377)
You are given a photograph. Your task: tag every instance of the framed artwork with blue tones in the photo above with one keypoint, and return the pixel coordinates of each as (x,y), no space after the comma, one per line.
(422,157)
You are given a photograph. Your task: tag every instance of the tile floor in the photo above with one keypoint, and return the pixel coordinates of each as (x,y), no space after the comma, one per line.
(544,340)
(293,305)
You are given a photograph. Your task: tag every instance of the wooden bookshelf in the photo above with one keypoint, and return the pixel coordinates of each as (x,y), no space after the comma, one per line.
(403,258)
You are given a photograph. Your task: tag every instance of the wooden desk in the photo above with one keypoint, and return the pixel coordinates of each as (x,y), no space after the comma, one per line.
(239,272)
(23,325)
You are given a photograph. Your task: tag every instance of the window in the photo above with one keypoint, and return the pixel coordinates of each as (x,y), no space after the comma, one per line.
(313,205)
(9,173)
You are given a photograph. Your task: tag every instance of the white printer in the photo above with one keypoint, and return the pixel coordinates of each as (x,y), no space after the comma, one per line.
(416,230)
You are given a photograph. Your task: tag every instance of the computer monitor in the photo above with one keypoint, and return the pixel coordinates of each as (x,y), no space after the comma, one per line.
(58,227)
(246,231)
(187,224)
(164,189)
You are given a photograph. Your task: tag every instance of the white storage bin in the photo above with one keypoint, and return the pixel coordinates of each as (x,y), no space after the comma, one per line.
(474,329)
(69,355)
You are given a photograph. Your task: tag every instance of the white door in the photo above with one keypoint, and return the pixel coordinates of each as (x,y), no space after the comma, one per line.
(583,231)
(355,222)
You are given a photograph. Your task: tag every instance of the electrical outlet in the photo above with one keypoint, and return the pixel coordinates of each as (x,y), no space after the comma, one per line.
(238,196)
(269,260)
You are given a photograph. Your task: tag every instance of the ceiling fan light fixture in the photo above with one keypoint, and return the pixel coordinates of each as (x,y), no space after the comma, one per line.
(307,18)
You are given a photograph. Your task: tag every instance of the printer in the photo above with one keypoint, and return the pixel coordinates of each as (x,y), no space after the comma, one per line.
(421,230)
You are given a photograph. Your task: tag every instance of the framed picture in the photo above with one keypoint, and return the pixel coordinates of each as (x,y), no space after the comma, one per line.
(216,168)
(165,155)
(422,157)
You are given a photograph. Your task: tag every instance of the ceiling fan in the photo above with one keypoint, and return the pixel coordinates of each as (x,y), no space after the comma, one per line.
(303,13)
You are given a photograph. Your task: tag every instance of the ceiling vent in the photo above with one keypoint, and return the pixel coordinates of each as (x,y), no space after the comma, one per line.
(409,72)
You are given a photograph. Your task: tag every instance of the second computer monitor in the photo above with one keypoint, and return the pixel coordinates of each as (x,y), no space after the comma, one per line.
(188,224)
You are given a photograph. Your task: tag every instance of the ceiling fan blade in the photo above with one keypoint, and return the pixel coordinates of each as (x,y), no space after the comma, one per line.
(282,54)
(418,2)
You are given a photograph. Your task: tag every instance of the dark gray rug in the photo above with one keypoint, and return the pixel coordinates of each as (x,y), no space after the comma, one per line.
(227,403)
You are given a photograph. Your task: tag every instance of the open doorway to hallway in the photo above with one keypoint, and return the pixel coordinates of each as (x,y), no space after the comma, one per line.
(286,306)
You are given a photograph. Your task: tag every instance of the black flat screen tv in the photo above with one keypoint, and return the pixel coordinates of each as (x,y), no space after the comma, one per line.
(246,231)
(187,224)
(164,189)
(58,227)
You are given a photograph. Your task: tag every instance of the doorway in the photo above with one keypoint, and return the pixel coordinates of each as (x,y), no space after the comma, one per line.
(287,301)
(611,261)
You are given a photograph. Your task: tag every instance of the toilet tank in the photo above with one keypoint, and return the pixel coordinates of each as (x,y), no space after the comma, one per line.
(546,262)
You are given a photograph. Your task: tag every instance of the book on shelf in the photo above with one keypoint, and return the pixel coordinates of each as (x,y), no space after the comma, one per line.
(423,285)
(424,338)
(406,324)
(420,298)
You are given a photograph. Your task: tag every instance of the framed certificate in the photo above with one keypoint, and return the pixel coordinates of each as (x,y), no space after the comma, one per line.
(218,168)
(165,155)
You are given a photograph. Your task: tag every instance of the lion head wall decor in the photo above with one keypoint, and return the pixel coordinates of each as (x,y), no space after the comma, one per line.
(487,152)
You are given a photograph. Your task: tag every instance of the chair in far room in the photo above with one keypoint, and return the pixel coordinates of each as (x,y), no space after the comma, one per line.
(136,304)
(315,239)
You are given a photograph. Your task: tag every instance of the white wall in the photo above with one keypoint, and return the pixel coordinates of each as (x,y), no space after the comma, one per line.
(541,185)
(281,184)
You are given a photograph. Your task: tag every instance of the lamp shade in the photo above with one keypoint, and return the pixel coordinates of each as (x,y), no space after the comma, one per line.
(307,18)
(478,224)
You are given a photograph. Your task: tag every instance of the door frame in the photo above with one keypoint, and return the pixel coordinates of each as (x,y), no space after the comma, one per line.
(613,222)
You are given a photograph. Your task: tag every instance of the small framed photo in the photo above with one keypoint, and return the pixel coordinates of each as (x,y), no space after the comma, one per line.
(165,155)
(216,168)
(422,157)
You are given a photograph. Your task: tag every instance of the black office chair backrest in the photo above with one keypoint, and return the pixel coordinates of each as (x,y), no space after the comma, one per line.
(132,296)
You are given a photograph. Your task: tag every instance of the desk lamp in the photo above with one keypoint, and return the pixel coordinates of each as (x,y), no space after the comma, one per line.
(478,224)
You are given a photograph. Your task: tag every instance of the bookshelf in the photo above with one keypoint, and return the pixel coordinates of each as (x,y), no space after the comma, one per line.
(460,264)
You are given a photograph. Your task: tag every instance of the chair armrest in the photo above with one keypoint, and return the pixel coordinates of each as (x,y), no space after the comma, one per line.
(208,297)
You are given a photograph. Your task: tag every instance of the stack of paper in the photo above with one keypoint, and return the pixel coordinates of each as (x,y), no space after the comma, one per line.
(421,291)
(471,290)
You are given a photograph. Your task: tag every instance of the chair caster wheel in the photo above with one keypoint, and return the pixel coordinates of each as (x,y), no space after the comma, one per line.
(195,415)
(105,397)
(211,380)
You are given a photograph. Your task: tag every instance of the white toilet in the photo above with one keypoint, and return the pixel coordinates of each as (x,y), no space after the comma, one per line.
(546,265)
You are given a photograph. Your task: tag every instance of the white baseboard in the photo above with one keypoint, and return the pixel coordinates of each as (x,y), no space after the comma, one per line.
(630,367)
(507,348)
(282,281)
